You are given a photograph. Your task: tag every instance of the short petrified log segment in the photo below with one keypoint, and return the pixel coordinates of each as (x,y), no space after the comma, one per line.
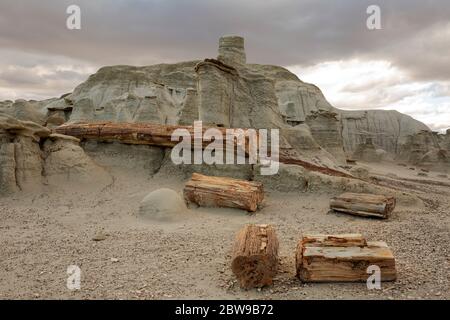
(343,263)
(255,256)
(210,191)
(369,205)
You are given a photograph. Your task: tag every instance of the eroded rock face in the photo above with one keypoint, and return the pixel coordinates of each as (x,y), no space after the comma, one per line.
(291,178)
(31,157)
(67,163)
(417,145)
(444,140)
(228,92)
(437,159)
(366,151)
(8,182)
(130,159)
(32,110)
(134,94)
(20,154)
(231,50)
(389,130)
(326,130)
(29,163)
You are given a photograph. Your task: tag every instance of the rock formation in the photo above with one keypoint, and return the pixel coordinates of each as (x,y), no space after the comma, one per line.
(223,92)
(162,204)
(30,157)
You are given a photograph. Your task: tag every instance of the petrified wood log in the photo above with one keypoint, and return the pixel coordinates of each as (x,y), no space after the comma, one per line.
(137,133)
(320,259)
(369,205)
(210,191)
(291,159)
(255,256)
(160,135)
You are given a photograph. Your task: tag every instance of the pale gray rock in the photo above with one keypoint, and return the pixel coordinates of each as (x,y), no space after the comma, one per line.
(389,130)
(83,110)
(231,50)
(437,159)
(228,92)
(66,163)
(290,178)
(55,119)
(135,94)
(29,111)
(444,140)
(189,110)
(360,172)
(417,145)
(29,163)
(162,204)
(8,183)
(366,152)
(140,160)
(326,130)
(31,157)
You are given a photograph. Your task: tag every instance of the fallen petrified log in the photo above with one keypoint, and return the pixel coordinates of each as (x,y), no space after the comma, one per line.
(208,191)
(368,205)
(289,159)
(141,133)
(342,258)
(255,256)
(161,135)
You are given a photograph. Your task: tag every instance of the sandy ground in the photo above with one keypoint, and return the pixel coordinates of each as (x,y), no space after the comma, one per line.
(42,233)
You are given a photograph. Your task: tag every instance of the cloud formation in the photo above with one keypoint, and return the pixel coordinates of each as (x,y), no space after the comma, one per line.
(414,42)
(356,84)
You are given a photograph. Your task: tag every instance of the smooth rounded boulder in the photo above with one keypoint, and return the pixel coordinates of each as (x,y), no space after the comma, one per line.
(162,204)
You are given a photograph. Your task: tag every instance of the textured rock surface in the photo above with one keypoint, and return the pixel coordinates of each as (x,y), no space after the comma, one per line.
(366,151)
(162,204)
(131,159)
(444,140)
(8,181)
(417,145)
(66,163)
(231,50)
(229,92)
(291,178)
(31,157)
(21,156)
(389,130)
(361,172)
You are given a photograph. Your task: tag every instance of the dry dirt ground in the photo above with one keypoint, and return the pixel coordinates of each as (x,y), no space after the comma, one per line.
(42,233)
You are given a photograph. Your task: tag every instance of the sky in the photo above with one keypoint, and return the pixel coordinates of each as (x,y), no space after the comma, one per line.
(405,65)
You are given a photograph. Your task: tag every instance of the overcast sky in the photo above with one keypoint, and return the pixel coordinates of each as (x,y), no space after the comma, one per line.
(404,66)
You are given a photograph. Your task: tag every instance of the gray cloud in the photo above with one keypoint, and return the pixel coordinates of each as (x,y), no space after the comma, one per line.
(415,37)
(277,32)
(32,76)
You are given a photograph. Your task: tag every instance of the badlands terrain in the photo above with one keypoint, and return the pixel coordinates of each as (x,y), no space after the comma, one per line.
(69,201)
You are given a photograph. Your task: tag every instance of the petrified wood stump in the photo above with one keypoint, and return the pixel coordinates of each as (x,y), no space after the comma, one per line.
(342,258)
(208,191)
(255,256)
(368,205)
